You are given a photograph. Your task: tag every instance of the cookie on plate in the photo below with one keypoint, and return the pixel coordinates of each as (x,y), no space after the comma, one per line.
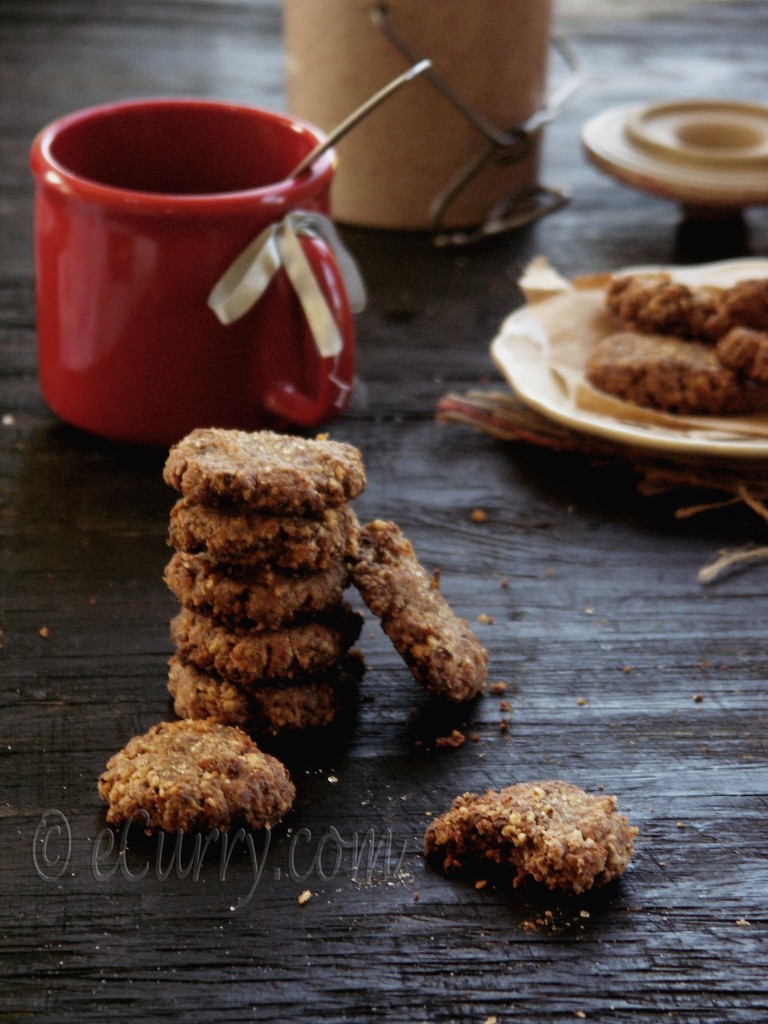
(654,303)
(440,648)
(670,374)
(231,533)
(250,656)
(745,350)
(260,595)
(285,705)
(188,775)
(276,473)
(745,304)
(550,831)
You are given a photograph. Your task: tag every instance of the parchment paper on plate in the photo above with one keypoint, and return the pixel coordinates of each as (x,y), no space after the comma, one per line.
(542,349)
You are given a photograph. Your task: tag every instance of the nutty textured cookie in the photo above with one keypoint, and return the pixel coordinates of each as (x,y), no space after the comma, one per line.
(230,534)
(745,350)
(665,373)
(277,707)
(551,831)
(746,304)
(250,656)
(260,595)
(272,472)
(440,649)
(656,304)
(189,775)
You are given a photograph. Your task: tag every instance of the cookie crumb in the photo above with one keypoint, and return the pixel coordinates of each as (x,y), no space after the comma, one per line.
(698,698)
(742,922)
(582,701)
(485,619)
(497,688)
(44,632)
(456,739)
(478,515)
(304,898)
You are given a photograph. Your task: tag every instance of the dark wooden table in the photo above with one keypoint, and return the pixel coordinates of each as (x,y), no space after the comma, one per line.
(623,670)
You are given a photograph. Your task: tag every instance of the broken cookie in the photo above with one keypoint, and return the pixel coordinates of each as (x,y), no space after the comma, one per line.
(551,831)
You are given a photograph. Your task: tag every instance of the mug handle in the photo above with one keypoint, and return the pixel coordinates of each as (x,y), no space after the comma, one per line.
(333,374)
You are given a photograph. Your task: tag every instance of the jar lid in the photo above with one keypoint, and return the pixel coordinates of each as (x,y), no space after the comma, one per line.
(702,153)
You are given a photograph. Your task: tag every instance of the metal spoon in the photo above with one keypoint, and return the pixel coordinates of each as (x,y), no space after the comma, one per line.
(357,115)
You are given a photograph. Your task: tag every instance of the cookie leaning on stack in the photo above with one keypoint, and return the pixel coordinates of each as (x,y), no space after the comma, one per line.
(262,531)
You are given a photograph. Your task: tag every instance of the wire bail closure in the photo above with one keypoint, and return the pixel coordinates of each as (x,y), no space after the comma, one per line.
(504,146)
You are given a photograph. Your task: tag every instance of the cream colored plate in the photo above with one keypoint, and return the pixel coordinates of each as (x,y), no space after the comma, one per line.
(542,355)
(702,153)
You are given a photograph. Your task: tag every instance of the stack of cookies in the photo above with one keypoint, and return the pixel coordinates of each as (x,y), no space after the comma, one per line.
(263,532)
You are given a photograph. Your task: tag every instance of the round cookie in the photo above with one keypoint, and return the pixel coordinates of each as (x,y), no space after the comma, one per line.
(551,831)
(745,350)
(684,377)
(187,775)
(745,304)
(260,595)
(230,534)
(276,473)
(656,304)
(249,656)
(440,649)
(274,708)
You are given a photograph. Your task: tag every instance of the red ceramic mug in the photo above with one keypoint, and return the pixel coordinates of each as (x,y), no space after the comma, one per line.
(140,208)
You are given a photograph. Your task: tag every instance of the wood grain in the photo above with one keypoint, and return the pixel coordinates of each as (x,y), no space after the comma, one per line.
(622,670)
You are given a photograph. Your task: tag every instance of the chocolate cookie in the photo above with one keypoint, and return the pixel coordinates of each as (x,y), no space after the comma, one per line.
(273,708)
(230,534)
(440,649)
(550,831)
(250,656)
(677,376)
(275,473)
(257,595)
(189,775)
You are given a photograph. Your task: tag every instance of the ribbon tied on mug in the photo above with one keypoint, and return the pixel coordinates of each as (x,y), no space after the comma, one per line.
(248,276)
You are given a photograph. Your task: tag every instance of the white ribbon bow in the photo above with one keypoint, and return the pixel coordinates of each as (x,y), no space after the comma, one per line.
(247,277)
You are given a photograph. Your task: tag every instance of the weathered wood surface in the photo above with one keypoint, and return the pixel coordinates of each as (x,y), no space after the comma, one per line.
(601,602)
